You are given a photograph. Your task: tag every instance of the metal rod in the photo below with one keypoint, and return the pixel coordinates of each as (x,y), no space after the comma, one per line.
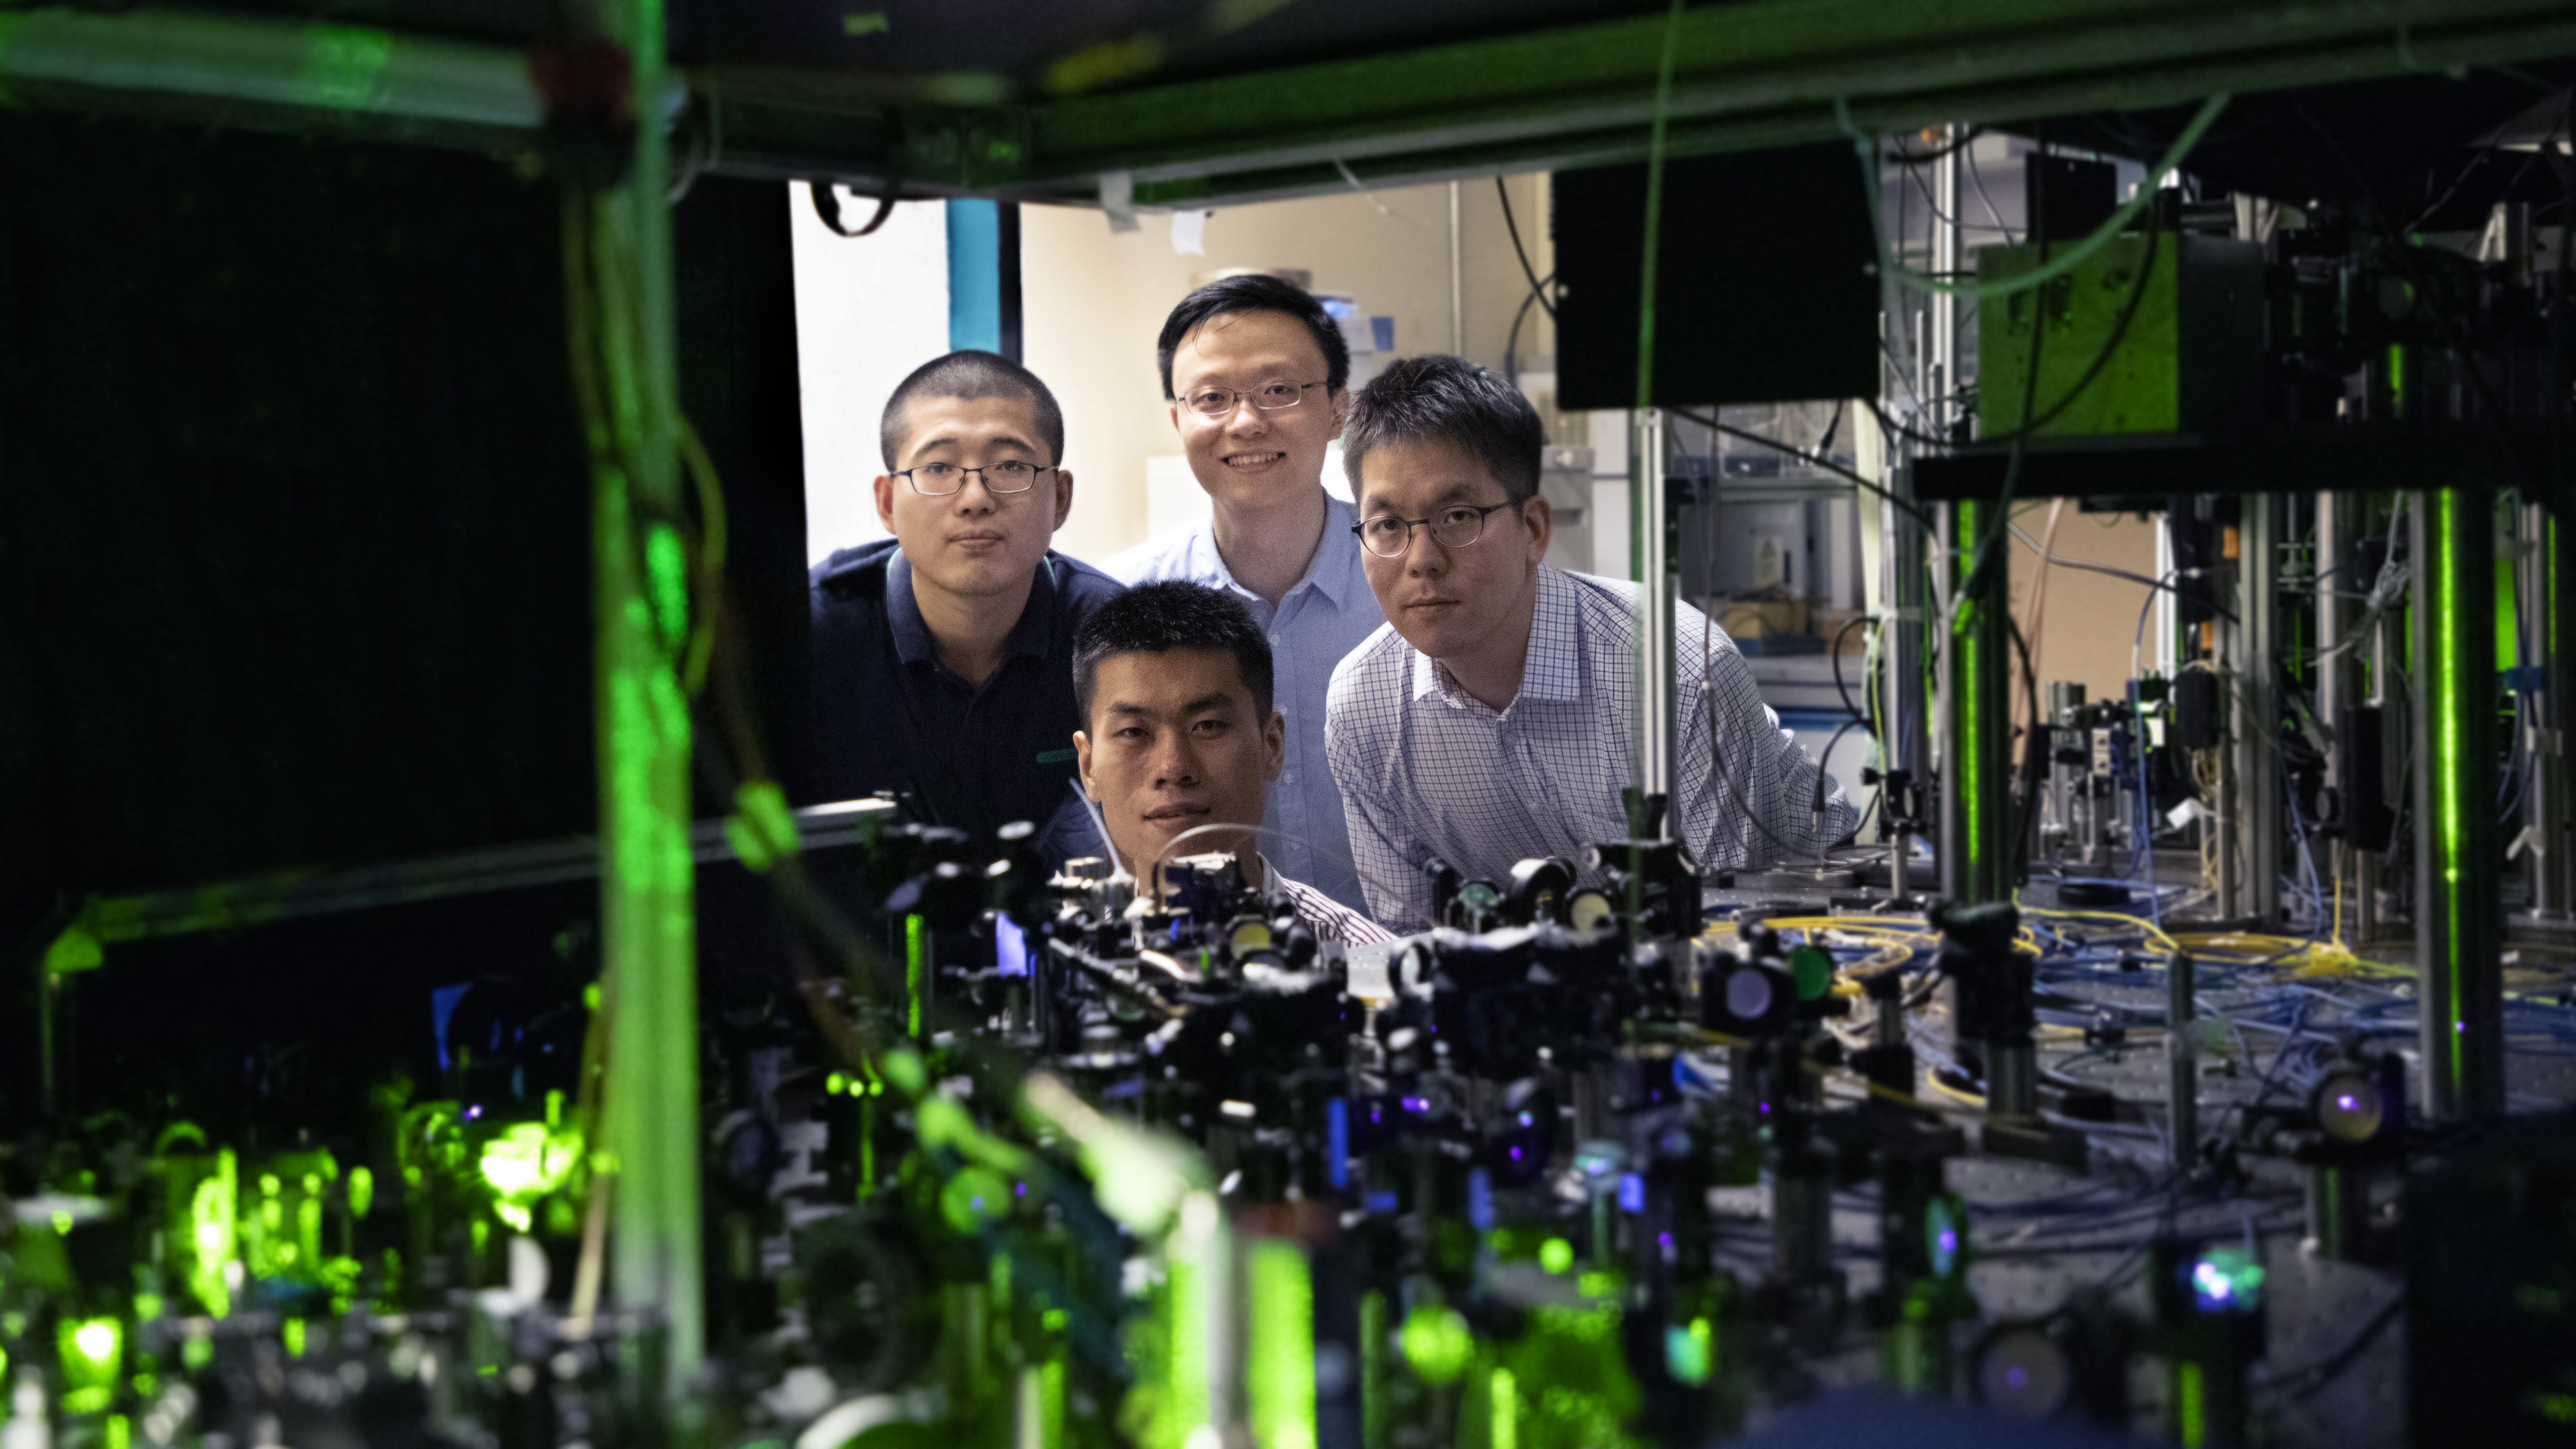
(2459,906)
(2339,672)
(2012,1080)
(2545,816)
(2219,829)
(235,905)
(1457,280)
(2255,807)
(1908,765)
(1941,371)
(1977,834)
(2397,732)
(1650,556)
(648,905)
(1906,749)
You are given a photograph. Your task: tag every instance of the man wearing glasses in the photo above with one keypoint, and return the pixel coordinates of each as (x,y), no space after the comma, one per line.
(944,655)
(1256,373)
(1490,721)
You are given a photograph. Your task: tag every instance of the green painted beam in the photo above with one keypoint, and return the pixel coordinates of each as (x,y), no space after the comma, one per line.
(1750,75)
(1765,73)
(264,60)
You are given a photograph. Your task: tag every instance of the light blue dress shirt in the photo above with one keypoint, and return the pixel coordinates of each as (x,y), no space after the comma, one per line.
(1321,618)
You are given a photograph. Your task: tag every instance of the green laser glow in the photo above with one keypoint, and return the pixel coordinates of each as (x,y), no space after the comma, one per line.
(76,949)
(1569,1371)
(867,1150)
(1436,1341)
(916,970)
(666,567)
(1372,1370)
(1556,1255)
(1281,1369)
(1188,1293)
(974,1199)
(1051,1404)
(1507,1411)
(2191,1414)
(213,1234)
(93,1350)
(2444,590)
(1689,1352)
(523,1164)
(1967,682)
(344,67)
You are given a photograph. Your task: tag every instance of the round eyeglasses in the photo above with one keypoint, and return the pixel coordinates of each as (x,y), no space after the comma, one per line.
(1456,526)
(938,480)
(1270,397)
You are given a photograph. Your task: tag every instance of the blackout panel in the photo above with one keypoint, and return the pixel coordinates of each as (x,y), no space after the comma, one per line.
(295,563)
(736,282)
(1764,290)
(295,537)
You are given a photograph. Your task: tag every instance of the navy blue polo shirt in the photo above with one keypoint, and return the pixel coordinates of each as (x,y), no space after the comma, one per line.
(889,716)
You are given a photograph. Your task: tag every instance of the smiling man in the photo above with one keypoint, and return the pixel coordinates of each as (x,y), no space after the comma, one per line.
(1256,375)
(1490,720)
(1180,739)
(943,656)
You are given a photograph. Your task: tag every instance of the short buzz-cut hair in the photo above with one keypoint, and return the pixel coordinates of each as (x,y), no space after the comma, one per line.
(970,374)
(1450,400)
(1160,617)
(1229,296)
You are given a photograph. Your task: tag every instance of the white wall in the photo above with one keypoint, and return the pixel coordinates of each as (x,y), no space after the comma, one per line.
(868,311)
(1095,300)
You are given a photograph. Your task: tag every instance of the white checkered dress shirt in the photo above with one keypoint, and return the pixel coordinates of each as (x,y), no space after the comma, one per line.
(1427,771)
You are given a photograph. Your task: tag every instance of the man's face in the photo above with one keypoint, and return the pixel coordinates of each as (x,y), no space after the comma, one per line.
(973,542)
(1254,455)
(1450,603)
(1174,743)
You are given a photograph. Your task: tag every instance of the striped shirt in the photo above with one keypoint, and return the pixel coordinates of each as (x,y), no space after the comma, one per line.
(1429,772)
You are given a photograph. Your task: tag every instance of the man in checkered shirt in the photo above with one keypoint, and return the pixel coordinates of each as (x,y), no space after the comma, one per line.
(1490,720)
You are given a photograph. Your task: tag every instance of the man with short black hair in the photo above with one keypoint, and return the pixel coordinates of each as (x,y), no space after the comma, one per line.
(943,656)
(1257,376)
(1490,721)
(1180,739)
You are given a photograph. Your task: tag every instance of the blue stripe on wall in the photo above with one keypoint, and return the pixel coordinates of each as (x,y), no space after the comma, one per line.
(974,275)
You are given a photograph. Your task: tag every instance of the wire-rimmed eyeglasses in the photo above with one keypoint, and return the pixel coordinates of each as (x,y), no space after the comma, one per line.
(1270,397)
(938,480)
(1456,526)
